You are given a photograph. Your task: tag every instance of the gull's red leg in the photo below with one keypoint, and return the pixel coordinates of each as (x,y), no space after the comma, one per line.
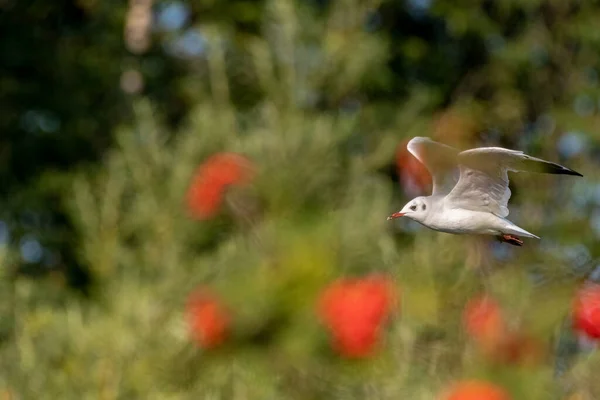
(510,239)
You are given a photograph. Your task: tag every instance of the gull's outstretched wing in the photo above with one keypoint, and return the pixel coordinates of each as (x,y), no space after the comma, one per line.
(440,161)
(483,182)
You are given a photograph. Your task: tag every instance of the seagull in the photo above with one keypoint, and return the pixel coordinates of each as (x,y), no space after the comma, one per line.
(475,201)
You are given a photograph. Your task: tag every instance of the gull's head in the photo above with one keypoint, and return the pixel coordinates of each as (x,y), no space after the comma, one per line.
(416,209)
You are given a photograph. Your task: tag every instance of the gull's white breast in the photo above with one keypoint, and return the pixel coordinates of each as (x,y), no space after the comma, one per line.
(457,220)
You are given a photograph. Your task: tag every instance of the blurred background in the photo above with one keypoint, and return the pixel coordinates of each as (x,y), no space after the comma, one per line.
(193,199)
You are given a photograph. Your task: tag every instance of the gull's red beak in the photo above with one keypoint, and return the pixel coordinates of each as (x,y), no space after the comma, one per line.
(395,215)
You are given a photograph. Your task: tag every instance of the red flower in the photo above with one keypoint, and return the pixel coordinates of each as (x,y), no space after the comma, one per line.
(586,311)
(354,311)
(208,321)
(483,321)
(475,390)
(208,186)
(520,348)
(413,175)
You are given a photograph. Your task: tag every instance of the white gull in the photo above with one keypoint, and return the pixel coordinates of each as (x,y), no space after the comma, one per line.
(476,203)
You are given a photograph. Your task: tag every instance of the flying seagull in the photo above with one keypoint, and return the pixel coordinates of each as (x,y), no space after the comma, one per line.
(476,203)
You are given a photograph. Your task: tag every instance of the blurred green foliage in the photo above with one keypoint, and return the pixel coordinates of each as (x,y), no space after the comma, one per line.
(318,95)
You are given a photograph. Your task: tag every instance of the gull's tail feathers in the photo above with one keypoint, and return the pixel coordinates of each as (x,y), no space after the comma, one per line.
(513,229)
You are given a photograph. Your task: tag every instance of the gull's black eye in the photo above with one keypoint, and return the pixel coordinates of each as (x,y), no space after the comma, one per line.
(423,207)
(413,207)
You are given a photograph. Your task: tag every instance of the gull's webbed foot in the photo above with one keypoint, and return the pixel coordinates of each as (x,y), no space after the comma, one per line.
(510,239)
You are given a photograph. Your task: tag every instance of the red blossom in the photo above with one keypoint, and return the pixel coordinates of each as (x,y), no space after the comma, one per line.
(211,179)
(586,311)
(413,175)
(207,319)
(520,348)
(483,321)
(475,390)
(354,311)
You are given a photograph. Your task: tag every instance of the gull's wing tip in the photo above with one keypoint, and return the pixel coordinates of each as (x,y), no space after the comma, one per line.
(561,170)
(575,173)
